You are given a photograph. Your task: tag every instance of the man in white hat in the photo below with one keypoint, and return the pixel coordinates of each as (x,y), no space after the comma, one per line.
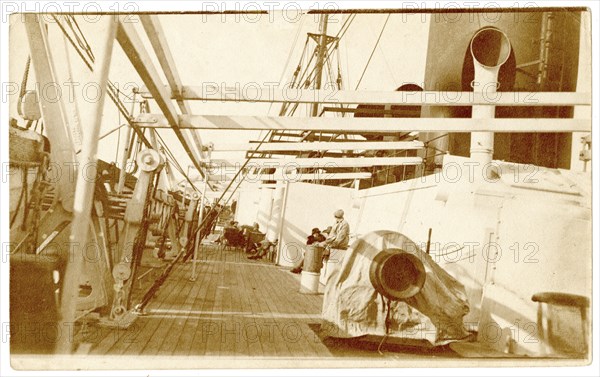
(340,233)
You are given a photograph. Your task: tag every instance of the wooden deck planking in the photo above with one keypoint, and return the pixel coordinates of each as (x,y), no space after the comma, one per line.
(237,307)
(200,338)
(282,297)
(163,300)
(244,300)
(251,304)
(236,291)
(175,332)
(184,339)
(114,336)
(167,326)
(275,293)
(195,323)
(265,333)
(310,306)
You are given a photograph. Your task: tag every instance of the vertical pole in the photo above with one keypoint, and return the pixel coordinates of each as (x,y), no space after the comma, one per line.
(320,59)
(84,190)
(281,222)
(125,153)
(124,157)
(185,190)
(198,238)
(273,230)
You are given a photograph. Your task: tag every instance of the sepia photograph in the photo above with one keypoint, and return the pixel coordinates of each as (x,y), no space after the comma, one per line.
(298,185)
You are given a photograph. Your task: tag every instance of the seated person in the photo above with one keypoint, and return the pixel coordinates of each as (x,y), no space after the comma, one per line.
(315,237)
(338,237)
(230,225)
(233,235)
(253,239)
(263,248)
(247,228)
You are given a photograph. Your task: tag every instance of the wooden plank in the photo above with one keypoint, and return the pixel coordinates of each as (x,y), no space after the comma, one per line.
(197,297)
(289,328)
(320,146)
(253,93)
(269,336)
(118,339)
(148,325)
(309,305)
(167,325)
(232,337)
(325,162)
(202,335)
(250,325)
(340,125)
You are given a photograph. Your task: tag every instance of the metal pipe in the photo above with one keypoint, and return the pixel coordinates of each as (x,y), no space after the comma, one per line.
(397,274)
(490,49)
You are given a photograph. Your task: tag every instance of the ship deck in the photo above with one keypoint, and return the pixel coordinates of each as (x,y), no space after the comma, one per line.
(236,308)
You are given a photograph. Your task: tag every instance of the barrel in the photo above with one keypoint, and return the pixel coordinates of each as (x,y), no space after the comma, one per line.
(313,258)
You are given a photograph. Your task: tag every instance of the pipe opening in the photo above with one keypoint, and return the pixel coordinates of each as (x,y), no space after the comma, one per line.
(490,47)
(396,274)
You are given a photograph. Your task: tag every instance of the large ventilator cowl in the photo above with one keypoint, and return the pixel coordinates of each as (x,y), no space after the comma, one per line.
(490,47)
(396,274)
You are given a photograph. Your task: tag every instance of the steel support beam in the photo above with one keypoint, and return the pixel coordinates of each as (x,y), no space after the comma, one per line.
(157,39)
(326,162)
(214,92)
(226,177)
(368,124)
(133,47)
(320,146)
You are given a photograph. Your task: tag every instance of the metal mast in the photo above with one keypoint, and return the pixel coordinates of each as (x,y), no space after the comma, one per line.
(321,55)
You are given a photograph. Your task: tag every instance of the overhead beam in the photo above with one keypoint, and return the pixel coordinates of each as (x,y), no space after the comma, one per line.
(325,162)
(319,146)
(368,124)
(160,45)
(133,47)
(251,93)
(225,177)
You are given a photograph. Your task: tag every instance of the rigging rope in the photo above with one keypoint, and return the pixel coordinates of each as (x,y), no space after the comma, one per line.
(175,162)
(24,80)
(290,53)
(79,36)
(373,52)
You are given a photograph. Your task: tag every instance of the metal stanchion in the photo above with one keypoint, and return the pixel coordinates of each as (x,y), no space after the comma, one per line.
(194,276)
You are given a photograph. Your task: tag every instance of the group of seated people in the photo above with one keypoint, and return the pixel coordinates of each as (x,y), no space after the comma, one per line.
(255,243)
(246,237)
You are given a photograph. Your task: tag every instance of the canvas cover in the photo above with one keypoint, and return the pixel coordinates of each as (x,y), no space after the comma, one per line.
(352,307)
